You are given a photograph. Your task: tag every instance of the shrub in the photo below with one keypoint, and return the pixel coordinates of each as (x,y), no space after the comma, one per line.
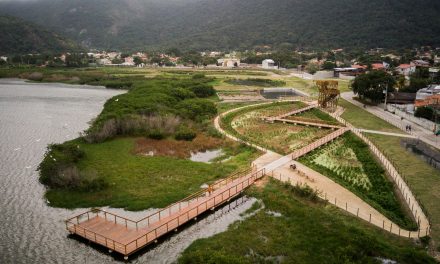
(156,135)
(35,76)
(134,125)
(182,94)
(425,112)
(185,133)
(304,190)
(196,109)
(118,84)
(198,76)
(203,90)
(58,166)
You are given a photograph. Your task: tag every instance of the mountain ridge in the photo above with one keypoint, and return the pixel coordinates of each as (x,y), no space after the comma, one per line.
(19,36)
(237,24)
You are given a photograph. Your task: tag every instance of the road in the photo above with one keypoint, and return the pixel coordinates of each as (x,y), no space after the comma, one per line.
(419,132)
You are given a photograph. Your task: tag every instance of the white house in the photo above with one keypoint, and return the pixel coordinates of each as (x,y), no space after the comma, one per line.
(229,63)
(406,69)
(4,58)
(268,64)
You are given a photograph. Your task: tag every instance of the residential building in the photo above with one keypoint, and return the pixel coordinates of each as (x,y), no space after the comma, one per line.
(406,69)
(228,62)
(379,66)
(433,72)
(268,64)
(424,93)
(420,63)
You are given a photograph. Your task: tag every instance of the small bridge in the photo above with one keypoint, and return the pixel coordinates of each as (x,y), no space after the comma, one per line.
(127,236)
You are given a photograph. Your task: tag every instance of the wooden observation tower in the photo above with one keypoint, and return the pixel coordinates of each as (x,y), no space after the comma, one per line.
(328,94)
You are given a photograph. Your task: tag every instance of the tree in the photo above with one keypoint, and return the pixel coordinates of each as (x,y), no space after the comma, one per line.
(328,65)
(436,78)
(312,67)
(371,85)
(425,112)
(137,60)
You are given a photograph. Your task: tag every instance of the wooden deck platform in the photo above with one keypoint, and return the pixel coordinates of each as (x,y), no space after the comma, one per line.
(126,236)
(306,123)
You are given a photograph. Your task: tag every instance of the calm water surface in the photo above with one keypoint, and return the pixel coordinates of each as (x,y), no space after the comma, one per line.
(31,117)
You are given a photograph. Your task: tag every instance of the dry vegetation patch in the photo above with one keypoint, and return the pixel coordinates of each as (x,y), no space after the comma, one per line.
(176,148)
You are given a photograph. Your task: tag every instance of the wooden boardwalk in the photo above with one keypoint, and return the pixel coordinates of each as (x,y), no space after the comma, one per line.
(307,123)
(294,112)
(127,236)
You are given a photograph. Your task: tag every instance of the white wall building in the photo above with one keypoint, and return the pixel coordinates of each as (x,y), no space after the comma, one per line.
(406,69)
(268,64)
(229,63)
(424,93)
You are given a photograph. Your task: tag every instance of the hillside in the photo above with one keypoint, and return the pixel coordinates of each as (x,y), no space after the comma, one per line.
(213,24)
(18,36)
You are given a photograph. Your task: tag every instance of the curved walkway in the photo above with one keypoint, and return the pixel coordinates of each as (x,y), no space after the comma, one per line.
(278,167)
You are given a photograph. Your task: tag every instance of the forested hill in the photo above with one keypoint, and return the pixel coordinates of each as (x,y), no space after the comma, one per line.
(18,37)
(212,24)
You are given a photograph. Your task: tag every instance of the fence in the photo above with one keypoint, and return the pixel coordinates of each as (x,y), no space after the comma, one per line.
(418,212)
(429,125)
(368,216)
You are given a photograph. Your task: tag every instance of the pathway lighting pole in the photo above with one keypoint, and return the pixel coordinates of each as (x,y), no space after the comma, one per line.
(386,96)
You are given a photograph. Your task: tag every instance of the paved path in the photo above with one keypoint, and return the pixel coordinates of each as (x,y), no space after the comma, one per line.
(386,133)
(418,131)
(339,196)
(279,167)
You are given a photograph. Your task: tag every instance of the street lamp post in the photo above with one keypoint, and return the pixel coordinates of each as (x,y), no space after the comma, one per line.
(386,96)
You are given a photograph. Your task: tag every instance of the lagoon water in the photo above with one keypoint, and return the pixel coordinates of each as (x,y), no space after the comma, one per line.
(31,117)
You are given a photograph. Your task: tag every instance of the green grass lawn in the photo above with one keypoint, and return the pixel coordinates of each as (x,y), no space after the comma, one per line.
(349,162)
(424,180)
(138,182)
(360,118)
(306,232)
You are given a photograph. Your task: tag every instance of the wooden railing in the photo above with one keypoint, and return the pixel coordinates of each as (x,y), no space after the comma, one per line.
(304,150)
(366,215)
(204,206)
(137,224)
(73,224)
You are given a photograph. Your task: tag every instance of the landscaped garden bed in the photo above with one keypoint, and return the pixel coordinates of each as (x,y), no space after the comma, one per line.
(249,125)
(349,162)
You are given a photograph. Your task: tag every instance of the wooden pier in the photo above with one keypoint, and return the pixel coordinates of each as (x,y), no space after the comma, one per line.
(127,236)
